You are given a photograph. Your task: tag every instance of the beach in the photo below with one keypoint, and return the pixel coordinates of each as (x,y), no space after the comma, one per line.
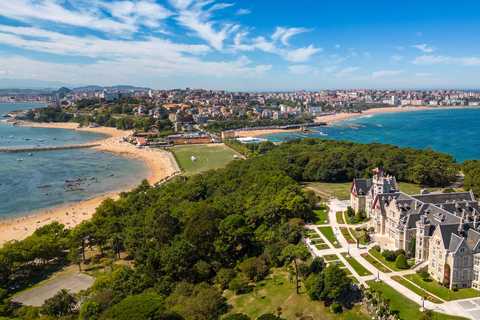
(158,161)
(329,119)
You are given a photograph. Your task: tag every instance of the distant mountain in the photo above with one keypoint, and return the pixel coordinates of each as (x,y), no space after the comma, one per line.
(118,87)
(33,84)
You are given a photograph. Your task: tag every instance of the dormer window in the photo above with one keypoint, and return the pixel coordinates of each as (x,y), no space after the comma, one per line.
(462,250)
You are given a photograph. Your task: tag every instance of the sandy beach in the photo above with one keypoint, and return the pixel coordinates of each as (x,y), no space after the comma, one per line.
(341,116)
(159,162)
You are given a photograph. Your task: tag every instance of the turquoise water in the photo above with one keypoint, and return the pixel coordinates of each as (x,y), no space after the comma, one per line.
(453,131)
(39,181)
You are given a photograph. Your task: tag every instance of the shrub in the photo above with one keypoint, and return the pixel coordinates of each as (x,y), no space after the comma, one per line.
(454,289)
(367,238)
(401,262)
(239,284)
(377,248)
(424,274)
(371,229)
(388,255)
(399,252)
(358,229)
(224,276)
(335,307)
(298,314)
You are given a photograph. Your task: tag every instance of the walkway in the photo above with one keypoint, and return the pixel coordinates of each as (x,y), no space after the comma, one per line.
(453,308)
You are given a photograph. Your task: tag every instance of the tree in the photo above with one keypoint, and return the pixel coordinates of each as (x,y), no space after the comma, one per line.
(5,303)
(290,232)
(337,282)
(317,265)
(294,252)
(424,274)
(141,306)
(117,244)
(401,262)
(224,276)
(236,316)
(350,212)
(74,256)
(388,255)
(446,275)
(59,305)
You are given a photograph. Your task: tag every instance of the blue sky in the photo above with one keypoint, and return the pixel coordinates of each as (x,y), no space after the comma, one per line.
(244,45)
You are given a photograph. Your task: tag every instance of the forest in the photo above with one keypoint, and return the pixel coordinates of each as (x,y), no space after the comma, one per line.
(313,159)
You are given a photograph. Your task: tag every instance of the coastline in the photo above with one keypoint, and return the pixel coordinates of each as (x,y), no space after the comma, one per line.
(342,116)
(158,161)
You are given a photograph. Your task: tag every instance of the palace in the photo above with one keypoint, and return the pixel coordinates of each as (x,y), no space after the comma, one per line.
(445,227)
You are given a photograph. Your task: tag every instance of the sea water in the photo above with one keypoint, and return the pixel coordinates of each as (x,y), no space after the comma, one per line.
(452,131)
(49,178)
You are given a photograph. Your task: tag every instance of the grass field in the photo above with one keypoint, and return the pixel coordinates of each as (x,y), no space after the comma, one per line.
(330,257)
(321,215)
(389,264)
(347,235)
(339,215)
(336,263)
(269,297)
(361,270)
(414,288)
(322,246)
(208,156)
(433,287)
(324,189)
(374,262)
(406,308)
(328,233)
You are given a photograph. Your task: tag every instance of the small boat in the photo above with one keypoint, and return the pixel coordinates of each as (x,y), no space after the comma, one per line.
(27,138)
(40,139)
(30,154)
(54,138)
(18,159)
(10,136)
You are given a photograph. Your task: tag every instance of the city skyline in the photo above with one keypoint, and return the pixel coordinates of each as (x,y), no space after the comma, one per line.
(243,45)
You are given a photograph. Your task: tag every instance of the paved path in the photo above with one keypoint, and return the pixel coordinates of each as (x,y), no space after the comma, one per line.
(74,283)
(458,307)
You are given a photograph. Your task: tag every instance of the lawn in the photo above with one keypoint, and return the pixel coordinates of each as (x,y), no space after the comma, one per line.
(389,264)
(357,234)
(406,308)
(440,291)
(361,270)
(208,156)
(330,257)
(313,235)
(321,215)
(347,235)
(338,190)
(340,218)
(409,188)
(270,296)
(336,263)
(322,246)
(375,263)
(328,233)
(317,240)
(407,284)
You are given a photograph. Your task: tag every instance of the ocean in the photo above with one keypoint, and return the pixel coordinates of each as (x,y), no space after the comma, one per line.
(50,178)
(452,131)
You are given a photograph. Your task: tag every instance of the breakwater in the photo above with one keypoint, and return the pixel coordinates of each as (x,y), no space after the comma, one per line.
(32,149)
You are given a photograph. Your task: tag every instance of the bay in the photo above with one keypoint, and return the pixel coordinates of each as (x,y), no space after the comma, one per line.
(452,131)
(40,181)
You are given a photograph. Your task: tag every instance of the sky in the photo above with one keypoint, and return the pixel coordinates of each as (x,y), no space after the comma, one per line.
(244,45)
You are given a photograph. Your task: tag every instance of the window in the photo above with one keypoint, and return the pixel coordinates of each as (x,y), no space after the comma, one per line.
(462,250)
(476,261)
(439,268)
(434,251)
(465,261)
(465,274)
(475,275)
(440,254)
(455,275)
(437,242)
(456,262)
(433,264)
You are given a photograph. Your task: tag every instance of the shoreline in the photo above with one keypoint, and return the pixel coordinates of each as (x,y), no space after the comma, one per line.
(329,119)
(24,224)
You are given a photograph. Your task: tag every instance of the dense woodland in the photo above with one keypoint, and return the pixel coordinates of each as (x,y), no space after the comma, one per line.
(313,159)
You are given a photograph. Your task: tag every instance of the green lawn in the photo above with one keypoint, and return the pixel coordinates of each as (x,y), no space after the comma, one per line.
(361,270)
(347,271)
(338,190)
(313,235)
(340,218)
(347,235)
(321,215)
(389,264)
(409,188)
(406,308)
(208,156)
(317,240)
(357,234)
(269,297)
(328,233)
(336,263)
(355,280)
(414,288)
(433,287)
(322,246)
(330,257)
(374,262)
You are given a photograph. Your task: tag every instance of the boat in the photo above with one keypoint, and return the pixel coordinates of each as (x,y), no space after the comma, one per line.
(40,139)
(30,154)
(27,138)
(10,136)
(18,159)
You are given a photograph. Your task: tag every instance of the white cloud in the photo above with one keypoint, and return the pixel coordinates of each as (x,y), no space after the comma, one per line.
(301,54)
(383,73)
(126,16)
(367,54)
(337,46)
(422,75)
(300,69)
(284,34)
(330,69)
(419,34)
(423,48)
(346,72)
(399,48)
(448,60)
(396,58)
(241,12)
